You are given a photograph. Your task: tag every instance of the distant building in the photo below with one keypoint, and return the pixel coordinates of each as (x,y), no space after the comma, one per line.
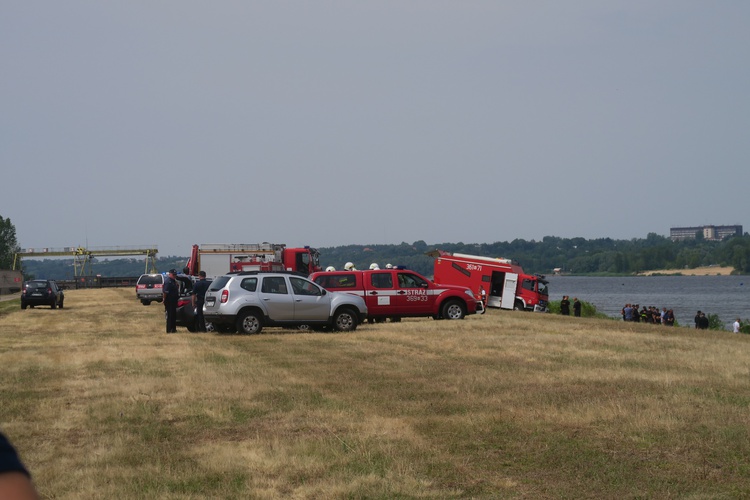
(712,233)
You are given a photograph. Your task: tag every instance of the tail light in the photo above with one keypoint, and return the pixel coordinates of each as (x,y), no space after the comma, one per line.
(183,302)
(224,296)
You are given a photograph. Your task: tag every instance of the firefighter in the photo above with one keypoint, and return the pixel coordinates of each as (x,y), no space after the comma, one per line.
(330,269)
(374,267)
(349,266)
(389,266)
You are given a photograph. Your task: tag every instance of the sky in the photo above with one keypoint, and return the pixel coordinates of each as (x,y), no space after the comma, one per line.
(331,123)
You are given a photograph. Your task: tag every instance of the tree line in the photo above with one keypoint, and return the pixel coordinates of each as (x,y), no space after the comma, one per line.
(572,255)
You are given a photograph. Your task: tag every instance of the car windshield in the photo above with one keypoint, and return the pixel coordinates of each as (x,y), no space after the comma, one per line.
(543,288)
(219,283)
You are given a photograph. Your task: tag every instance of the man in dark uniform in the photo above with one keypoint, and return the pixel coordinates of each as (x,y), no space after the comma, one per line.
(565,306)
(199,297)
(171,293)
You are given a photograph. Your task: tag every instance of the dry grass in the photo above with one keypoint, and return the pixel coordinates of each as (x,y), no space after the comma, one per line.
(102,404)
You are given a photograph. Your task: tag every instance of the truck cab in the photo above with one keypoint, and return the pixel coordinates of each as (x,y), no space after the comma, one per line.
(398,293)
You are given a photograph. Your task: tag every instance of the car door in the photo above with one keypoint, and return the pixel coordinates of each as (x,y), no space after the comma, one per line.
(310,303)
(414,294)
(276,299)
(380,295)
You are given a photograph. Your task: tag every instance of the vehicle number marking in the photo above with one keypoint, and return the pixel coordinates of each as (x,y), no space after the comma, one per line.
(416,298)
(473,267)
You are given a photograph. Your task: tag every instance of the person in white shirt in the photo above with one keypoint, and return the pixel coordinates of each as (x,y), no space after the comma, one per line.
(737,326)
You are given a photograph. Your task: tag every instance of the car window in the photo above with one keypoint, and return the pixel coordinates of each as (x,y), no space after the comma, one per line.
(303,287)
(249,284)
(274,284)
(336,280)
(219,283)
(147,279)
(407,280)
(36,284)
(381,280)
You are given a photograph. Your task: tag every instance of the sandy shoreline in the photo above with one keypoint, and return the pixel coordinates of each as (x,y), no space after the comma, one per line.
(698,271)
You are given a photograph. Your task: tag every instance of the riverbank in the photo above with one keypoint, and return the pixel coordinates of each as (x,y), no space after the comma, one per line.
(698,271)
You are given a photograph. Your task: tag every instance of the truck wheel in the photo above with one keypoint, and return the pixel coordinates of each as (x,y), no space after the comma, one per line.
(453,309)
(345,320)
(249,322)
(518,306)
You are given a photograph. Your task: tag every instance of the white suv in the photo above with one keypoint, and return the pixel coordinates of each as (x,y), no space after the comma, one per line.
(248,301)
(149,288)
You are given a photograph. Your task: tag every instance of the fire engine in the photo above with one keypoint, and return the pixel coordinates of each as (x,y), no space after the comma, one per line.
(219,259)
(500,283)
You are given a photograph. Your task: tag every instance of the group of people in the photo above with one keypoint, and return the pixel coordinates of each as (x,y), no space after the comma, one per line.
(565,306)
(171,295)
(651,315)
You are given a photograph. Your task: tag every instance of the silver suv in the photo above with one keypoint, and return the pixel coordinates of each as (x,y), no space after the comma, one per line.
(248,301)
(149,288)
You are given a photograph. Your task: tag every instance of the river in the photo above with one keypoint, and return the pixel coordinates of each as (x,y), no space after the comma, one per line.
(726,296)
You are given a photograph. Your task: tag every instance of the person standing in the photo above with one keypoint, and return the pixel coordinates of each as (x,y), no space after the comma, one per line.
(576,307)
(703,322)
(170,294)
(697,320)
(565,306)
(198,299)
(736,326)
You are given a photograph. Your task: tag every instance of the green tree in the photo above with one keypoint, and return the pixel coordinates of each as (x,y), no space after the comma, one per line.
(8,243)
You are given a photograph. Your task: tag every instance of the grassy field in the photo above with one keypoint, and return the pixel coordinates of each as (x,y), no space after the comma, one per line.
(102,404)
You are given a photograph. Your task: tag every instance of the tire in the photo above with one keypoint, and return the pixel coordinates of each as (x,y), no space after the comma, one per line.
(61,304)
(249,322)
(210,327)
(145,302)
(518,306)
(53,305)
(23,306)
(345,320)
(453,309)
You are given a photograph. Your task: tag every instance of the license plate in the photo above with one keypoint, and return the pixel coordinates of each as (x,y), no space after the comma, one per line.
(210,302)
(36,294)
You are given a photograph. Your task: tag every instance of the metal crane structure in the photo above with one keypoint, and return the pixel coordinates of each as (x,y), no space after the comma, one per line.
(82,256)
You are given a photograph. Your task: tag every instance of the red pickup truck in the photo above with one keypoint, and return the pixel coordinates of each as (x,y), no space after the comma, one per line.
(398,293)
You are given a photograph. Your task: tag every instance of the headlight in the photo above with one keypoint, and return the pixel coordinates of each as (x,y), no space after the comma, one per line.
(469,293)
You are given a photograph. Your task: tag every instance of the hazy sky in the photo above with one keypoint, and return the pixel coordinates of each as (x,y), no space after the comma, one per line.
(364,122)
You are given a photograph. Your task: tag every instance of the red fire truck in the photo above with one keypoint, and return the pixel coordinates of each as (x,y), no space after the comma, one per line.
(500,283)
(219,259)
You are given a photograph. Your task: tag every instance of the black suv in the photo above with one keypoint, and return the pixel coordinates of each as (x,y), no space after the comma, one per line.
(42,293)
